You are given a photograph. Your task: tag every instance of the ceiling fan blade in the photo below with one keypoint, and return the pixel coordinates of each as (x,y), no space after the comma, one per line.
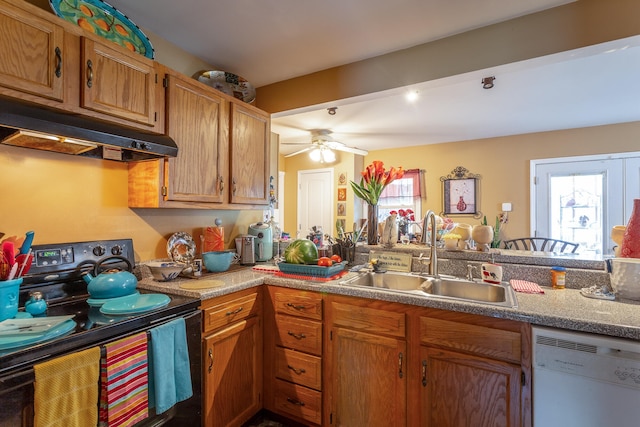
(350,150)
(304,150)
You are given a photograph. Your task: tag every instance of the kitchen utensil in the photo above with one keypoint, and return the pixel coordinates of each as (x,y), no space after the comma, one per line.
(245,247)
(9,251)
(26,245)
(111,283)
(264,240)
(24,261)
(5,268)
(219,260)
(9,290)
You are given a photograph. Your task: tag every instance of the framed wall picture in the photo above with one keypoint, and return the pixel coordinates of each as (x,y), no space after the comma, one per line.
(342,194)
(460,193)
(342,209)
(342,178)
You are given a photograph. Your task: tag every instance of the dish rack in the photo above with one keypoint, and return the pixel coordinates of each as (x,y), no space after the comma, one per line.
(312,270)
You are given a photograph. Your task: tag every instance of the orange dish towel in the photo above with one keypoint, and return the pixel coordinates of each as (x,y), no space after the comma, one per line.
(124,382)
(526,286)
(66,390)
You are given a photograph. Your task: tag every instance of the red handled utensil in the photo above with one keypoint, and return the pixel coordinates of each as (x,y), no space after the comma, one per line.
(9,252)
(5,268)
(24,263)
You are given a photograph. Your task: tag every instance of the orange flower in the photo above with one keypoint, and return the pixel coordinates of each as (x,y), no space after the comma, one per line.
(374,180)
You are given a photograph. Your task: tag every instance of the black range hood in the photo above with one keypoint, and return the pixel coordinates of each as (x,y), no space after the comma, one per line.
(29,126)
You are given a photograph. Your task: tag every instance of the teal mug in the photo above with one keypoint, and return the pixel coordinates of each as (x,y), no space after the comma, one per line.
(9,292)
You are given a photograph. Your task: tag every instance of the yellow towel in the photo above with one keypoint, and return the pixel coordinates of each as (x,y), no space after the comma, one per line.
(66,390)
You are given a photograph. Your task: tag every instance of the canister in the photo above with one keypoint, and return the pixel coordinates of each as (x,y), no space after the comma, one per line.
(558,275)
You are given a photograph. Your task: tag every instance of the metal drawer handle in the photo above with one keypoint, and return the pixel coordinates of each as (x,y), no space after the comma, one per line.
(297,336)
(295,401)
(234,312)
(221,184)
(296,307)
(89,73)
(210,359)
(233,181)
(297,371)
(58,62)
(424,373)
(400,365)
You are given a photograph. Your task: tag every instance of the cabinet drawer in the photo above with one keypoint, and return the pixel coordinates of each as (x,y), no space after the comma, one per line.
(372,320)
(231,311)
(298,303)
(299,368)
(482,340)
(299,334)
(298,401)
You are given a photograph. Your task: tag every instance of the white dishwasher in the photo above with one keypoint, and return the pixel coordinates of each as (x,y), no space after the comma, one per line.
(584,380)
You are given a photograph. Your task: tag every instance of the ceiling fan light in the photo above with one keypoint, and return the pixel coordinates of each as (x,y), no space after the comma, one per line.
(315,155)
(328,156)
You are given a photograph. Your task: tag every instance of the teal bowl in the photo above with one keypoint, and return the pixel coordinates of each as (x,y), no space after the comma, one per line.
(218,261)
(9,290)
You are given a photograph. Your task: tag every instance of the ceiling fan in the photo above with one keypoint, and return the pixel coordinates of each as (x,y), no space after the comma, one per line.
(321,146)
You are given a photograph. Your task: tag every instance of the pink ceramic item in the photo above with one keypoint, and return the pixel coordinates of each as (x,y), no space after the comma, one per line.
(631,240)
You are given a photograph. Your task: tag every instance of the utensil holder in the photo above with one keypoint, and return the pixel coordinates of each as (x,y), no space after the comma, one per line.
(9,290)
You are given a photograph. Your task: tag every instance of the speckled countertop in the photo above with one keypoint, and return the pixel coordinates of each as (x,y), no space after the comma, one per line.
(566,309)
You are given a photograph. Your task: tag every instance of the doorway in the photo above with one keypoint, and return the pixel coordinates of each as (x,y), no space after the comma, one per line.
(315,201)
(579,199)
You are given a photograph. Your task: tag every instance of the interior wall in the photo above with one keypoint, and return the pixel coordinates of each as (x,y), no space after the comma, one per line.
(503,164)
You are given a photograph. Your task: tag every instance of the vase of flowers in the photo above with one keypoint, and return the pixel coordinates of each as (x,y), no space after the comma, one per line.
(374,179)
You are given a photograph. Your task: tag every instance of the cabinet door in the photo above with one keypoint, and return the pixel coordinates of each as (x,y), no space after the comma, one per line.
(233,374)
(464,390)
(369,379)
(196,120)
(117,84)
(31,53)
(250,141)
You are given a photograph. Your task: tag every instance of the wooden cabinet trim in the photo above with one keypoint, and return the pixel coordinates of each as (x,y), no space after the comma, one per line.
(372,320)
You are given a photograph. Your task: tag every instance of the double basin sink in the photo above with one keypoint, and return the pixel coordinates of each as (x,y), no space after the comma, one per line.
(441,287)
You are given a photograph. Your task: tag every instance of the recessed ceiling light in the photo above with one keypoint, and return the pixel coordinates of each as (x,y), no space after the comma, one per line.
(412,96)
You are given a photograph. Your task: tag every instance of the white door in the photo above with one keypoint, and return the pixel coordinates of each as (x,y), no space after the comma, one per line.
(315,201)
(580,199)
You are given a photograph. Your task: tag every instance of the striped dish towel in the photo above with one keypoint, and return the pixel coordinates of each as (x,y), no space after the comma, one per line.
(124,382)
(526,286)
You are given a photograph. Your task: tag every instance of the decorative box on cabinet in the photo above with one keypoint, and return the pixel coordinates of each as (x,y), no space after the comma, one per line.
(232,358)
(293,361)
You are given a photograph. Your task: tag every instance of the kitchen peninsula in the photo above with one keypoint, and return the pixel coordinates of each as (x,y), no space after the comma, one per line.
(391,325)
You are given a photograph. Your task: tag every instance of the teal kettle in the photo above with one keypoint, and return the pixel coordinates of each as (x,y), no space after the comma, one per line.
(111,283)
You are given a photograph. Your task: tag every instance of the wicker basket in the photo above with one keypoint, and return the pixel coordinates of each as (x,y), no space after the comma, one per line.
(312,270)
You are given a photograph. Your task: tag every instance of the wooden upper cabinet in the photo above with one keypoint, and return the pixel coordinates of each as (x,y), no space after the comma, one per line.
(250,154)
(197,120)
(32,53)
(118,84)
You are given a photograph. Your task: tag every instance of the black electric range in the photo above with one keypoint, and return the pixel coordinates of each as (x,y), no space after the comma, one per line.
(56,272)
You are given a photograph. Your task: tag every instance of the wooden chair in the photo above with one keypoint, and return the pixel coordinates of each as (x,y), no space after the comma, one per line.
(543,244)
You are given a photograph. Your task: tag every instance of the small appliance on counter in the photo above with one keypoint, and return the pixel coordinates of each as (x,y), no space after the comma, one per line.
(245,246)
(263,241)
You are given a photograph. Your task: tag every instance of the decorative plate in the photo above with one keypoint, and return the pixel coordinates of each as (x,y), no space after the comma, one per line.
(106,21)
(230,84)
(133,304)
(181,248)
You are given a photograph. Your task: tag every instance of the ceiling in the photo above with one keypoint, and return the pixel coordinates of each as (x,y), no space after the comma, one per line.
(272,40)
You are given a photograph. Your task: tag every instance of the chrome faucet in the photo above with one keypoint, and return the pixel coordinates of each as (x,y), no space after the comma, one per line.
(433,257)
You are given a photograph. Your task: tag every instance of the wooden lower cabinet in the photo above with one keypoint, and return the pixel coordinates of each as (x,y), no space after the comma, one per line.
(293,370)
(464,390)
(232,358)
(366,355)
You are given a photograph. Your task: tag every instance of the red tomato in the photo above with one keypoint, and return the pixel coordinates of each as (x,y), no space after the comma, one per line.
(336,258)
(325,262)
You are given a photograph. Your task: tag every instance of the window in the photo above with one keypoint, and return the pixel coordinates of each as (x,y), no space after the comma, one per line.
(404,193)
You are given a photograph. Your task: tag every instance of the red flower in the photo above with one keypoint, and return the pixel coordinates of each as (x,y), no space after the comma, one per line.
(374,180)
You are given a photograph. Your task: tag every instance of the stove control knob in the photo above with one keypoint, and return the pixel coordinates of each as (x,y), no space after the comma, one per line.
(116,250)
(99,251)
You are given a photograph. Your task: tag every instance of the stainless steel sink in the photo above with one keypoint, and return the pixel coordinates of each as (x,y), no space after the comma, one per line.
(445,287)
